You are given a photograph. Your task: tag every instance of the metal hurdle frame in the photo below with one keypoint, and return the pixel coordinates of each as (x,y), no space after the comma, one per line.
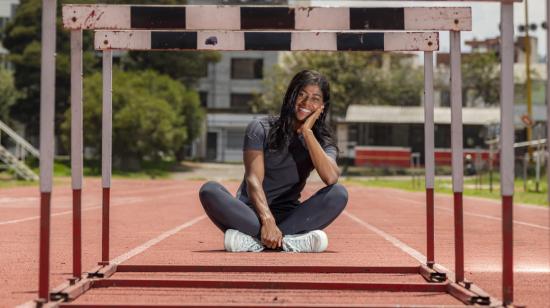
(116,17)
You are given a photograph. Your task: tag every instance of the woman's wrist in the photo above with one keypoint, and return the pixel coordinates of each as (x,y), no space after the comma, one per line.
(264,220)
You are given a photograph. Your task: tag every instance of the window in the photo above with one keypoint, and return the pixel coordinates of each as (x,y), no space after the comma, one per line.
(247,68)
(14,7)
(445,98)
(235,139)
(241,102)
(203,96)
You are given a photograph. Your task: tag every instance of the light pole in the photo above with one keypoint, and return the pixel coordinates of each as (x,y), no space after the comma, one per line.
(528,83)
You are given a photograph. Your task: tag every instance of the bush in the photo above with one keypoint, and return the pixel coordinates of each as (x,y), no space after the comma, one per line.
(154,116)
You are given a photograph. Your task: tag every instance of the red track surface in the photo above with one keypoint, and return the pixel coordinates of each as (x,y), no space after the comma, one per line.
(143,210)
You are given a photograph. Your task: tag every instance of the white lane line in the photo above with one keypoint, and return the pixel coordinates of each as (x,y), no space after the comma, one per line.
(415,254)
(485,201)
(141,248)
(8,222)
(518,222)
(394,241)
(156,240)
(120,192)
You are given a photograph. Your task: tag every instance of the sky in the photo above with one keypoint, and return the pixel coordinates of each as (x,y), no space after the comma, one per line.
(485,17)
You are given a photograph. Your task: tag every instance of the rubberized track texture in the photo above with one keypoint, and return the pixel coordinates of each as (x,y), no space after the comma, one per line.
(161,222)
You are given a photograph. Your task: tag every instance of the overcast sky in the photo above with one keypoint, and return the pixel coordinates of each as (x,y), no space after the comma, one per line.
(486,17)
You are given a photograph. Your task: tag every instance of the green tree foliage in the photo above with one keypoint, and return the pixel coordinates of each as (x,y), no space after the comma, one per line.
(22,39)
(8,94)
(481,75)
(154,116)
(480,79)
(355,78)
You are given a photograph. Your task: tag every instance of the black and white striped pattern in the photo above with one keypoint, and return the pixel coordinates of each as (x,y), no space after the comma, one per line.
(278,41)
(212,17)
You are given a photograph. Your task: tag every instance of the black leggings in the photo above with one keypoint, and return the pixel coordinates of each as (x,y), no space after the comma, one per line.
(317,212)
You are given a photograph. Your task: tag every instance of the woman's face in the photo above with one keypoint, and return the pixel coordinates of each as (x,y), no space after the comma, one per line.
(309,99)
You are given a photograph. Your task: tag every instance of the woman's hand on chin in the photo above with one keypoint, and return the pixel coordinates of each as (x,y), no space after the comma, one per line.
(310,121)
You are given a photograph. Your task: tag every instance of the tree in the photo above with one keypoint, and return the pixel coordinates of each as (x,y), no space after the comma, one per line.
(22,40)
(186,67)
(154,116)
(481,77)
(9,94)
(355,78)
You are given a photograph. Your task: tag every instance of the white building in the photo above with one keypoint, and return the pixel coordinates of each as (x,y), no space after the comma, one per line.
(7,12)
(228,89)
(226,92)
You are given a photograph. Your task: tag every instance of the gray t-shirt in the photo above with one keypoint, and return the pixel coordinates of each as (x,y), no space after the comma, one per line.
(286,171)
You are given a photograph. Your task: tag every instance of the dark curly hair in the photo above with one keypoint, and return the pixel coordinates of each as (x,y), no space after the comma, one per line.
(283,126)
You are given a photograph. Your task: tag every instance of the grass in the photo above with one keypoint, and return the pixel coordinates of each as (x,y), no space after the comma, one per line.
(163,169)
(92,168)
(530,196)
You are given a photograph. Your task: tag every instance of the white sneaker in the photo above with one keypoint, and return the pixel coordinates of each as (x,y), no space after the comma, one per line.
(313,241)
(236,241)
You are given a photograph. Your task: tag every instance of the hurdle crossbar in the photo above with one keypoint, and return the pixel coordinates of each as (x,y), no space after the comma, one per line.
(209,17)
(279,41)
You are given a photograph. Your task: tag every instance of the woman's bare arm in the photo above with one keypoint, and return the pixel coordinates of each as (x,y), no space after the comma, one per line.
(254,177)
(326,166)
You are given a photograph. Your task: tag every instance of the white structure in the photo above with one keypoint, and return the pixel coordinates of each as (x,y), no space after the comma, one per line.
(7,12)
(227,90)
(226,93)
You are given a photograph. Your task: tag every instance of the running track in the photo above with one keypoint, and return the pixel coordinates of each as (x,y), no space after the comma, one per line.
(162,222)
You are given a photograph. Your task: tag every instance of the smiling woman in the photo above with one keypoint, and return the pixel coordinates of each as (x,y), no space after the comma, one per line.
(279,154)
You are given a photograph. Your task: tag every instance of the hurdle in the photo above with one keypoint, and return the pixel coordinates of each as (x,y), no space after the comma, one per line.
(124,27)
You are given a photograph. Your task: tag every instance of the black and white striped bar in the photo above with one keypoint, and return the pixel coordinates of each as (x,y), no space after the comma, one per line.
(277,41)
(211,17)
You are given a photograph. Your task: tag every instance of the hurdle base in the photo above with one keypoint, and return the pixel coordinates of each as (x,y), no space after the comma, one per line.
(431,275)
(467,296)
(136,268)
(102,271)
(40,302)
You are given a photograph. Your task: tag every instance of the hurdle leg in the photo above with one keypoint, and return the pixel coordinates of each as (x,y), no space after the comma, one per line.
(548,104)
(76,147)
(507,148)
(47,110)
(106,151)
(429,161)
(457,152)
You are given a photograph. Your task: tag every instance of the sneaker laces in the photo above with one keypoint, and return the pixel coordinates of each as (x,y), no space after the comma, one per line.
(249,243)
(298,243)
(237,241)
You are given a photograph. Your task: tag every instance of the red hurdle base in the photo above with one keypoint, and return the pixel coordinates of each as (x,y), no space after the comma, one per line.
(100,278)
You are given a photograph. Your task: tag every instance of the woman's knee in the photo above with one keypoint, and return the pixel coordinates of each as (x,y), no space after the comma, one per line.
(208,189)
(338,195)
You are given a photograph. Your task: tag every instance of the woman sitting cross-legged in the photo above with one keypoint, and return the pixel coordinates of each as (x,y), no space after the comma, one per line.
(279,154)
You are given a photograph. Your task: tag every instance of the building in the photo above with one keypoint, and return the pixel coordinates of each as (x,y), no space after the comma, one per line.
(537,66)
(388,135)
(227,92)
(228,89)
(7,12)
